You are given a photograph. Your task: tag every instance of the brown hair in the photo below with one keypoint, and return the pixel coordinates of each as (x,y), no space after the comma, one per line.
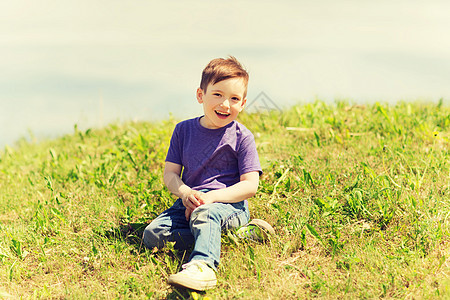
(221,69)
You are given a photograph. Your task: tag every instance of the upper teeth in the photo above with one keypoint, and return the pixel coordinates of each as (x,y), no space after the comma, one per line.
(222,113)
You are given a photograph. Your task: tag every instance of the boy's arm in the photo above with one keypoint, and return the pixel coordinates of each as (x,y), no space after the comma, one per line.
(174,183)
(244,189)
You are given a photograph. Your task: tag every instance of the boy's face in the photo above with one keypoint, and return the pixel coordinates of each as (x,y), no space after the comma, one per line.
(222,102)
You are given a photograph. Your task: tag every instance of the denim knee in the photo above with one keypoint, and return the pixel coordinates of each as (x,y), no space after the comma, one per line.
(150,237)
(202,214)
(225,215)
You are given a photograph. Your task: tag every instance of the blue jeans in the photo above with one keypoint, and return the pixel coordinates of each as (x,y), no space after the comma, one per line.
(203,230)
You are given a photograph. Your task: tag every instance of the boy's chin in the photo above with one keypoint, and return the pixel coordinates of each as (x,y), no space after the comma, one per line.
(216,122)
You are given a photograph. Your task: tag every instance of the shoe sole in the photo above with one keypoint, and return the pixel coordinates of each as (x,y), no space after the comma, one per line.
(263,225)
(193,285)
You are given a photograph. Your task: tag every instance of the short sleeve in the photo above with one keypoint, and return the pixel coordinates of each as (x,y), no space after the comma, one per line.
(248,159)
(174,154)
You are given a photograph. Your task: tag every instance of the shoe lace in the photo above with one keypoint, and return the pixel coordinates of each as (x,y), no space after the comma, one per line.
(193,266)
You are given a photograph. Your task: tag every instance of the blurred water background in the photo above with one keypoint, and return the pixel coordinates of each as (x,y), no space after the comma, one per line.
(94,62)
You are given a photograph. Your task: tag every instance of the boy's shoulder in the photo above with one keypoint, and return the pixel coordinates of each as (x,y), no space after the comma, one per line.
(187,125)
(241,127)
(188,122)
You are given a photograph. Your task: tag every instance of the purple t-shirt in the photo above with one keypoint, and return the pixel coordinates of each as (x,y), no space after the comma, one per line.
(213,158)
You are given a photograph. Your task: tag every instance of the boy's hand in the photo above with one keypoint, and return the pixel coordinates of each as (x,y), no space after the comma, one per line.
(187,213)
(194,199)
(190,201)
(206,198)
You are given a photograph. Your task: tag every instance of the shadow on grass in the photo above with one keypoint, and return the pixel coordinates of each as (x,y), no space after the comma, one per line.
(183,293)
(130,233)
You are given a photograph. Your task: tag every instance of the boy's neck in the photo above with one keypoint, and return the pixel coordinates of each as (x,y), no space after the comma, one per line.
(202,124)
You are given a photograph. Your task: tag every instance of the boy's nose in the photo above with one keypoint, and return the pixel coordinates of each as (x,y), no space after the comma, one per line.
(226,103)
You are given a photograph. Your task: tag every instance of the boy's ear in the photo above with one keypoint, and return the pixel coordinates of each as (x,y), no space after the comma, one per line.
(199,95)
(244,101)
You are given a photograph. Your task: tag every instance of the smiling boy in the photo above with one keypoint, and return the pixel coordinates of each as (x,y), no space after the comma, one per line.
(213,167)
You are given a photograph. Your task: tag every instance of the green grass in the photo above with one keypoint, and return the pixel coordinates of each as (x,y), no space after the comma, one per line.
(358,196)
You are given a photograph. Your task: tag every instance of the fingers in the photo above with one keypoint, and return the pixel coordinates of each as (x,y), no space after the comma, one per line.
(191,202)
(205,198)
(198,197)
(187,213)
(194,200)
(188,204)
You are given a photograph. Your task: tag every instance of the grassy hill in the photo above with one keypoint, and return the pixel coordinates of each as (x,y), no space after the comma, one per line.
(358,196)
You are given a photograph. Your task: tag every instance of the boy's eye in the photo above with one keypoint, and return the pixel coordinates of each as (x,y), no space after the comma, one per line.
(216,94)
(235,99)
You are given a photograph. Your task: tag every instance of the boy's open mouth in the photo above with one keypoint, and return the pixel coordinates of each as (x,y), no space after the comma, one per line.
(222,115)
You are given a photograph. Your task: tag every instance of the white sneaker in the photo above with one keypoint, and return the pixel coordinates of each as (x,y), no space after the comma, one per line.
(195,275)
